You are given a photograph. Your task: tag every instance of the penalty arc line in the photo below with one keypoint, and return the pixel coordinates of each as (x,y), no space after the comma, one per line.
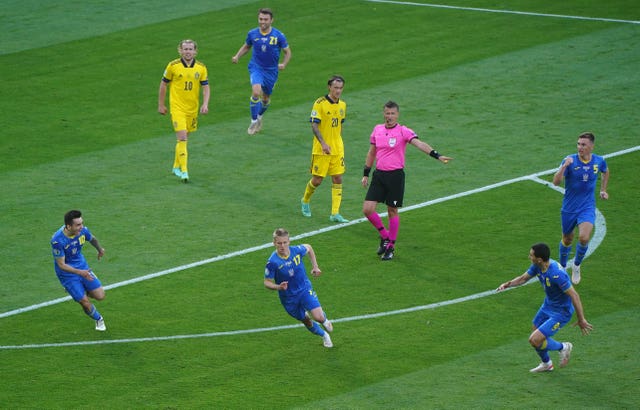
(598,237)
(301,236)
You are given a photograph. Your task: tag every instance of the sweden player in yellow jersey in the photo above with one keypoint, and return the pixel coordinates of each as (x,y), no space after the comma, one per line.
(185,77)
(327,157)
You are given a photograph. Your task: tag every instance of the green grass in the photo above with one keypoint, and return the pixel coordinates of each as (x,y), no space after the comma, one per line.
(504,94)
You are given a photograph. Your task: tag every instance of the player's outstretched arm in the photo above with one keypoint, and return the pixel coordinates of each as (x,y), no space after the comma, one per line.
(517,281)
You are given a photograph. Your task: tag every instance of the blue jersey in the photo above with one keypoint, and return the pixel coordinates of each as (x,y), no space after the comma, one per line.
(71,249)
(555,282)
(266,48)
(580,183)
(291,270)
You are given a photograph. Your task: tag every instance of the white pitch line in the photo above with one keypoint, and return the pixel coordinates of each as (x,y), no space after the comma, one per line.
(298,237)
(598,237)
(524,13)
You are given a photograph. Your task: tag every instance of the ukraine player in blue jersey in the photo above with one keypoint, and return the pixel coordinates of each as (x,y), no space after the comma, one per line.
(285,272)
(72,268)
(267,42)
(580,173)
(560,302)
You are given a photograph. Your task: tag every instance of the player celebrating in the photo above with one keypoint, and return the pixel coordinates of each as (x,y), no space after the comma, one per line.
(559,304)
(327,155)
(580,172)
(267,42)
(72,268)
(285,272)
(186,76)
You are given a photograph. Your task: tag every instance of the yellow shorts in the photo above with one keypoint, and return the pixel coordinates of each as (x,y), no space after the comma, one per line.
(182,122)
(323,165)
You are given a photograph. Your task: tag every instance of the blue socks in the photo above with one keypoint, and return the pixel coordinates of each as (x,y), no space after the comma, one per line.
(93,313)
(263,107)
(564,254)
(316,329)
(255,106)
(549,344)
(581,251)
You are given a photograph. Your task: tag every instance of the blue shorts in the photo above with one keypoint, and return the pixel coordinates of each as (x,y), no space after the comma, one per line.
(549,324)
(570,220)
(298,305)
(267,79)
(77,286)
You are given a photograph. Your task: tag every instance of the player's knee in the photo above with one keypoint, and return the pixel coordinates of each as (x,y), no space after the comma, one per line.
(319,315)
(535,342)
(98,294)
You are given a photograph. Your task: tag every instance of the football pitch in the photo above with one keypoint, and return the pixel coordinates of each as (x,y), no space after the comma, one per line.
(504,88)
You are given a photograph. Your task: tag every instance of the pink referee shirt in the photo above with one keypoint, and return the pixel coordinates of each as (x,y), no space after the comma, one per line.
(390,145)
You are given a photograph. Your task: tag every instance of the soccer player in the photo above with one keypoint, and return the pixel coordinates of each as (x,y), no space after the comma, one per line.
(285,272)
(266,42)
(387,150)
(580,173)
(72,268)
(327,155)
(185,77)
(559,304)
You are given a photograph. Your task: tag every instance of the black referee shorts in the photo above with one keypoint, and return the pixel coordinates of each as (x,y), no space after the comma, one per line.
(387,187)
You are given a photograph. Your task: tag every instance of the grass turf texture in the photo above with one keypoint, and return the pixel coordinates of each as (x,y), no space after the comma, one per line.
(504,94)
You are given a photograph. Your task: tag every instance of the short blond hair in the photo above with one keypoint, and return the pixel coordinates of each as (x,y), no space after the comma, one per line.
(188,40)
(280,232)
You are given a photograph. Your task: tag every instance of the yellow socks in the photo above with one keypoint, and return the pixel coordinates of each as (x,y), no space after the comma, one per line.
(336,198)
(181,157)
(308,191)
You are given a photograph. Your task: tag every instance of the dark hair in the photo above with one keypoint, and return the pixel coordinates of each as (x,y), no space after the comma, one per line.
(588,135)
(70,216)
(392,104)
(542,251)
(265,10)
(335,78)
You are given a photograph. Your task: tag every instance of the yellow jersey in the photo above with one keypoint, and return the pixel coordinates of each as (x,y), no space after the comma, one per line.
(329,115)
(184,85)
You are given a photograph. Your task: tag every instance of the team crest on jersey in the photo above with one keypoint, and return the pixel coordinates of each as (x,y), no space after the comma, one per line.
(392,142)
(197,76)
(290,272)
(264,48)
